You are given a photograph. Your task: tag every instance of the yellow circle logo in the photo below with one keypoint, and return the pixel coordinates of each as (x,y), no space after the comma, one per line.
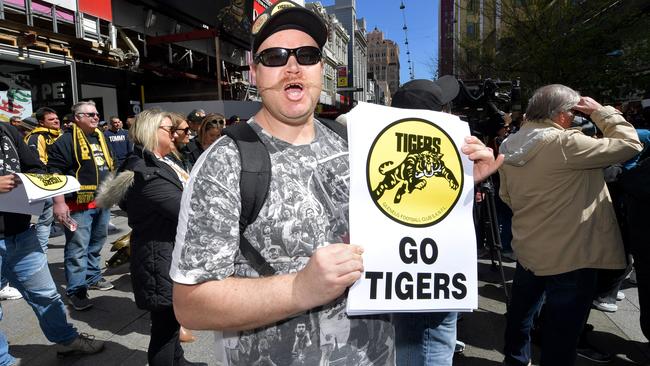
(48,182)
(282,6)
(414,172)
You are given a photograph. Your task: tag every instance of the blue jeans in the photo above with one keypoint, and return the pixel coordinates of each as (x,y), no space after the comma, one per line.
(23,262)
(44,224)
(82,249)
(568,298)
(425,338)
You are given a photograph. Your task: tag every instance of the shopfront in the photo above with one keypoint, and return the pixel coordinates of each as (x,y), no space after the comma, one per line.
(31,79)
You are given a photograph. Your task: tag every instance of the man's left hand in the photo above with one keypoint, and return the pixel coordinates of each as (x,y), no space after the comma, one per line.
(483,158)
(8,182)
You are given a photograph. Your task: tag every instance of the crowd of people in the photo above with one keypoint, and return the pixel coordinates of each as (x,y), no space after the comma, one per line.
(219,243)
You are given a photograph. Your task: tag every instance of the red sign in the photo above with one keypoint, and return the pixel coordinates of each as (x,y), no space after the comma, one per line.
(260,5)
(98,8)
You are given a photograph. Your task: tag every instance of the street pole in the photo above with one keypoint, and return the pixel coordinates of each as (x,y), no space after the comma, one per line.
(217,47)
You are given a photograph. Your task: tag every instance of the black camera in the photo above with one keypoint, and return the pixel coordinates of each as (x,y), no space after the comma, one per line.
(483,104)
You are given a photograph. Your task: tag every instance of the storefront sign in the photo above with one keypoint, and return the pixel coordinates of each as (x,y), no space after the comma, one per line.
(342,76)
(97,8)
(66,4)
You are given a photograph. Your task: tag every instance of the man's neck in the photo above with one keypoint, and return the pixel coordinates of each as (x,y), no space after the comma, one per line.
(296,133)
(87,131)
(115,130)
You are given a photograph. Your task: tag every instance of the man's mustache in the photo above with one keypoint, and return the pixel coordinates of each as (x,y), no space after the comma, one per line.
(279,86)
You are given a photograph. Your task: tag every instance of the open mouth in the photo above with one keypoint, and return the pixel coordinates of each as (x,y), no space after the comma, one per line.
(294,90)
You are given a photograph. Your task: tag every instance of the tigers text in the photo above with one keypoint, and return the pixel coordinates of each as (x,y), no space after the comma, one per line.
(420,285)
(407,142)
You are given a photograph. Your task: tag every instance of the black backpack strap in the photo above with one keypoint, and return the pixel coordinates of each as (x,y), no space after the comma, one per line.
(254,186)
(338,128)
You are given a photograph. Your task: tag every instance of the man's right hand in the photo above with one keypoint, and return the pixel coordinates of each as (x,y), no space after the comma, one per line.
(587,105)
(7,183)
(61,210)
(330,271)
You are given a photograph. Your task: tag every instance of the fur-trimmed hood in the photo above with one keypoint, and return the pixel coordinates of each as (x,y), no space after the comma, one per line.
(114,188)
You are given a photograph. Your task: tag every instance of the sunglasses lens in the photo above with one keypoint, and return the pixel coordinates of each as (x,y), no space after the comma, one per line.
(308,55)
(274,57)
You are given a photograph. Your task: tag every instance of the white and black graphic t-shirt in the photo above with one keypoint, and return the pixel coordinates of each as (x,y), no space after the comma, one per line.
(306,208)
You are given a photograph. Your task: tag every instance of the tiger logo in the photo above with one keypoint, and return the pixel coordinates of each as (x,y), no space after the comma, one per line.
(412,174)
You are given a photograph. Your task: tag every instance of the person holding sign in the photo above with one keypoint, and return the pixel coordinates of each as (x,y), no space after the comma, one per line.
(83,152)
(429,338)
(295,269)
(23,261)
(564,227)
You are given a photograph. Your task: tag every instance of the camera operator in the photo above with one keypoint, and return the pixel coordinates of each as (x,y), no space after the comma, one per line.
(564,227)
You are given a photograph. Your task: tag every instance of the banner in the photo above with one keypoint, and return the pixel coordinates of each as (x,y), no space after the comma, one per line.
(15,102)
(342,76)
(101,9)
(411,198)
(28,196)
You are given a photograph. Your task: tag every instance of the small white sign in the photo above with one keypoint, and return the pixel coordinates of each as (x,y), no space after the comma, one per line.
(28,196)
(411,197)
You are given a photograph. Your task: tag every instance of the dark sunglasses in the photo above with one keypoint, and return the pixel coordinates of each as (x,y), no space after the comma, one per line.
(278,56)
(89,115)
(216,122)
(185,130)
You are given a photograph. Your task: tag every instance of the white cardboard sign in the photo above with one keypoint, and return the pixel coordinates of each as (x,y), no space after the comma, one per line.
(28,196)
(411,197)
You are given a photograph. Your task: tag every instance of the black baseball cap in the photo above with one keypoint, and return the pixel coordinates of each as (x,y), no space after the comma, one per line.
(285,15)
(196,116)
(426,94)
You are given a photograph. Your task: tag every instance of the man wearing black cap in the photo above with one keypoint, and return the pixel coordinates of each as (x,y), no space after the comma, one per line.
(215,286)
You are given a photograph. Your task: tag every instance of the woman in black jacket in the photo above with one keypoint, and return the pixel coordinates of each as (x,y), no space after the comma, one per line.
(149,189)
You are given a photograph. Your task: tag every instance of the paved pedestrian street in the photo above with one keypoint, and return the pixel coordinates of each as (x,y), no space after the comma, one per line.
(125,328)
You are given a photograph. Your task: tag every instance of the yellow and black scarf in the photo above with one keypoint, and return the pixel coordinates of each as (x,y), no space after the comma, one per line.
(87,173)
(49,138)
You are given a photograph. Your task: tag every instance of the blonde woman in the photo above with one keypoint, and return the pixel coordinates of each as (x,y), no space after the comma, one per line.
(149,190)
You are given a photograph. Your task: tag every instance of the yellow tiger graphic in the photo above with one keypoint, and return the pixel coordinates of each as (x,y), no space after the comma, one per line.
(412,173)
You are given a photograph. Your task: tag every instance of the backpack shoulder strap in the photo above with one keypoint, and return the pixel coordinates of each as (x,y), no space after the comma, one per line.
(254,186)
(338,128)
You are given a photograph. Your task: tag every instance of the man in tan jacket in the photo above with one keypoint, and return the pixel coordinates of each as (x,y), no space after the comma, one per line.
(563,224)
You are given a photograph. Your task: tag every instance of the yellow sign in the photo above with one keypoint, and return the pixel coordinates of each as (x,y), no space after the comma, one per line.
(48,182)
(414,172)
(342,76)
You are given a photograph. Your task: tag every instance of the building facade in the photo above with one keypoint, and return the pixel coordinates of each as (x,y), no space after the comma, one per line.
(125,54)
(468,31)
(335,54)
(345,12)
(383,59)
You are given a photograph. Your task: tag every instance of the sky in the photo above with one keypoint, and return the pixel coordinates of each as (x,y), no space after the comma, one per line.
(422,22)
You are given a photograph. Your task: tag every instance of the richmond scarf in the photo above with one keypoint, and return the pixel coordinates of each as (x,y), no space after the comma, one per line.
(87,173)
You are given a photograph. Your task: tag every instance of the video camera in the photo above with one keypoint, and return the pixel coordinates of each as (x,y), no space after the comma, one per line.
(484,103)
